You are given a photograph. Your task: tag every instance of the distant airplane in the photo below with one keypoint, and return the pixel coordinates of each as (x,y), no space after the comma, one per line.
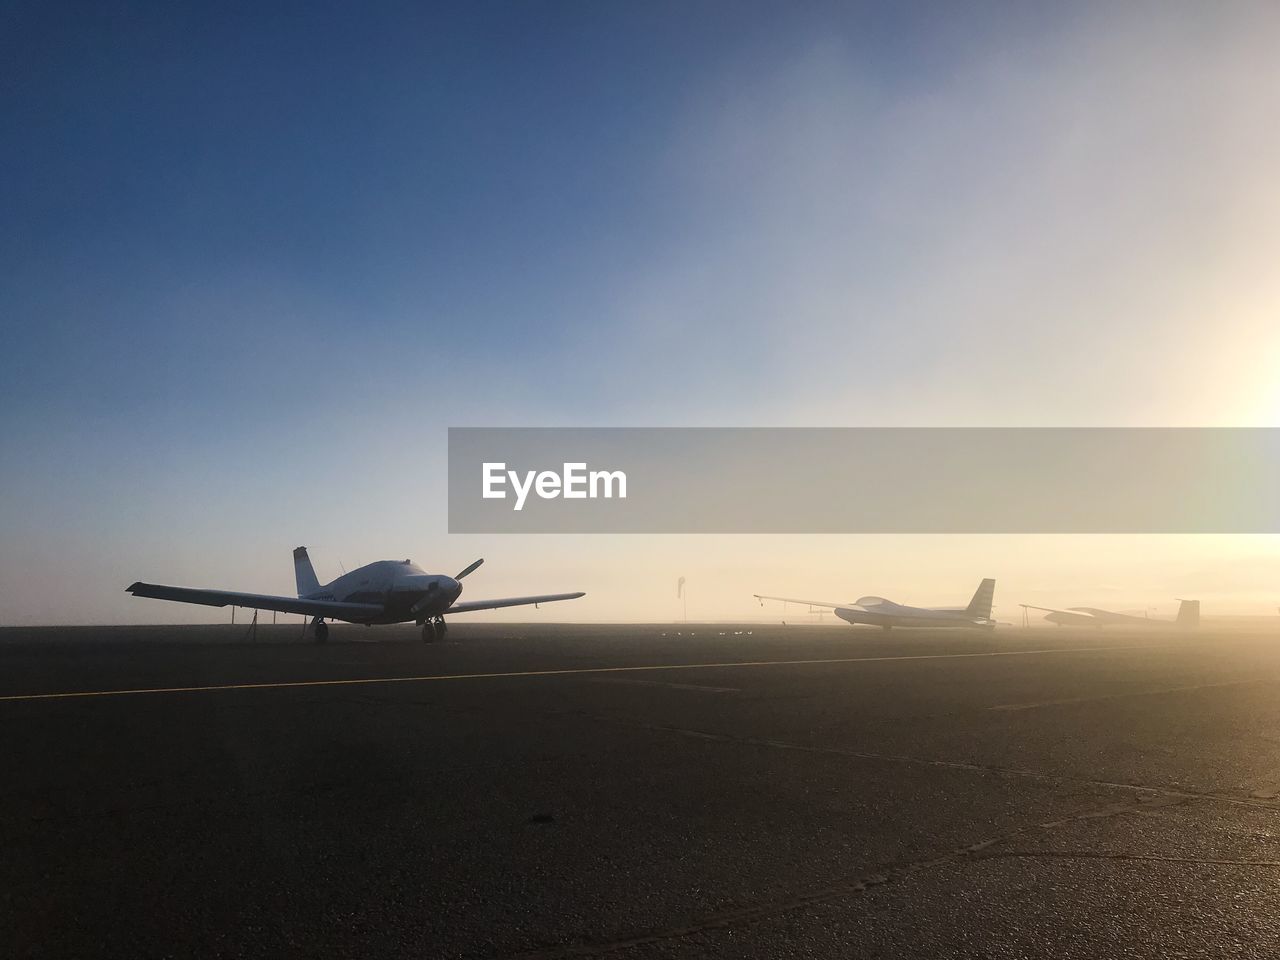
(879,612)
(1188,616)
(386,591)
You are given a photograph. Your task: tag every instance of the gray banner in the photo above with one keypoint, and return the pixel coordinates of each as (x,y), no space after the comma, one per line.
(858,480)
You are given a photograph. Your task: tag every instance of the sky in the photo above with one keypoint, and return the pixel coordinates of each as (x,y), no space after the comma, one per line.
(256,259)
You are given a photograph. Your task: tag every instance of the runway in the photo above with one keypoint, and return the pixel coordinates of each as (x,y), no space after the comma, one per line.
(640,791)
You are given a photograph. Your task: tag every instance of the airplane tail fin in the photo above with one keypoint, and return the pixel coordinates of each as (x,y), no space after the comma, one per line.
(980,605)
(306,574)
(1188,613)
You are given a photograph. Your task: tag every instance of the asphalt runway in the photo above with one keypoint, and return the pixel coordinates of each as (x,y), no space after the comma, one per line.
(640,791)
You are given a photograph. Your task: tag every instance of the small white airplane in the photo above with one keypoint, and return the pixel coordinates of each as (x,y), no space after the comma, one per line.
(386,591)
(1188,616)
(879,612)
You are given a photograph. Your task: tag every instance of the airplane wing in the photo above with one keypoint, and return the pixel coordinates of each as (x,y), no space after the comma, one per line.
(468,605)
(257,601)
(812,603)
(1074,613)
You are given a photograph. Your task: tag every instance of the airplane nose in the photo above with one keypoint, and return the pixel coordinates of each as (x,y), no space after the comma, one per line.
(435,594)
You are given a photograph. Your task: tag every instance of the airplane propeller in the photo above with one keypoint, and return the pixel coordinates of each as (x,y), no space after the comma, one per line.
(469,569)
(429,597)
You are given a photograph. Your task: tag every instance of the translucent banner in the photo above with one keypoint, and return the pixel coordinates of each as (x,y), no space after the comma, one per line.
(863,480)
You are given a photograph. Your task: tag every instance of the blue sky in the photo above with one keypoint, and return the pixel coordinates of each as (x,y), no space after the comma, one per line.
(255,260)
(203,200)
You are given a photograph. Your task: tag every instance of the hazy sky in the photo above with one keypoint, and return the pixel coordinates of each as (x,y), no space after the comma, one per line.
(253,263)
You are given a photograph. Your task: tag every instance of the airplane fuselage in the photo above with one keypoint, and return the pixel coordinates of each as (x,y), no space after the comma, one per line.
(889,614)
(1188,616)
(405,591)
(879,612)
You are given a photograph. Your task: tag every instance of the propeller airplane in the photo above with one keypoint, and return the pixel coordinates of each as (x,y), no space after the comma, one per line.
(386,591)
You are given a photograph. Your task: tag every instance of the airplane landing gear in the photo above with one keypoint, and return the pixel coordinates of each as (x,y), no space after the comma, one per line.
(442,628)
(322,630)
(434,629)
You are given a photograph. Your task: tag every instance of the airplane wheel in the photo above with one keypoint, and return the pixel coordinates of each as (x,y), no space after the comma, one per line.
(322,632)
(429,632)
(442,628)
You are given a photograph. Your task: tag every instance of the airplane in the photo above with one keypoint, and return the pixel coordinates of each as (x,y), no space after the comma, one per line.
(1188,616)
(877,611)
(386,591)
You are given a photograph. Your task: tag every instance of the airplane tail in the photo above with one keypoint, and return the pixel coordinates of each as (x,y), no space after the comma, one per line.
(1188,613)
(306,574)
(980,605)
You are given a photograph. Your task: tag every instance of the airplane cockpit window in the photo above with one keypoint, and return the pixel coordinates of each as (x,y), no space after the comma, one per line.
(871,601)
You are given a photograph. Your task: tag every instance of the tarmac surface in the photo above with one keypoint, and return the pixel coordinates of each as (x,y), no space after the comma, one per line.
(640,791)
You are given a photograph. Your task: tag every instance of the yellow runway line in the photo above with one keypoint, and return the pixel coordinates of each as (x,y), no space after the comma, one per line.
(286,684)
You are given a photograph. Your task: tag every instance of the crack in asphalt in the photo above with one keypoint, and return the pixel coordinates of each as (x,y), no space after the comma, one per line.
(1127,694)
(983,768)
(1151,799)
(852,886)
(1136,857)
